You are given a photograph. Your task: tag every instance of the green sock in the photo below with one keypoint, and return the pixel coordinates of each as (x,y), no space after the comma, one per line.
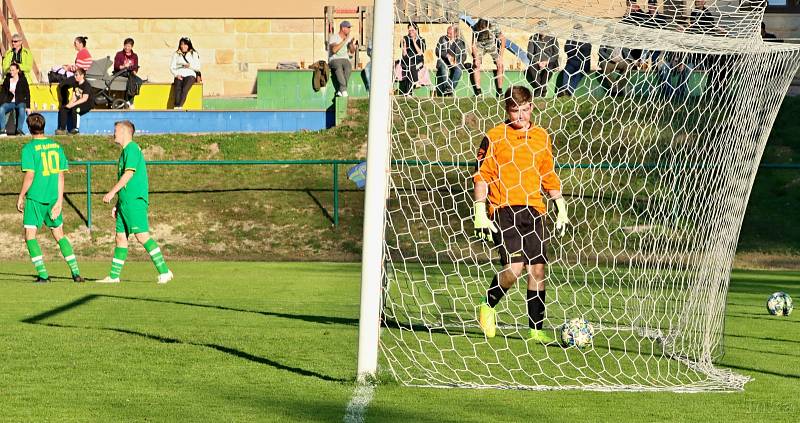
(36,257)
(156,256)
(120,254)
(69,256)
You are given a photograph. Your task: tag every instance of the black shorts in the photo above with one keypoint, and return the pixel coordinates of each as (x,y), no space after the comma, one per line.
(521,236)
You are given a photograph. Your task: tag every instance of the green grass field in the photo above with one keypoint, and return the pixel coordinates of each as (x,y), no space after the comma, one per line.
(242,341)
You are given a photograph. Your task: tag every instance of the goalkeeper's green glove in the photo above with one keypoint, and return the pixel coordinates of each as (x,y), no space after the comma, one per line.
(484,227)
(562,220)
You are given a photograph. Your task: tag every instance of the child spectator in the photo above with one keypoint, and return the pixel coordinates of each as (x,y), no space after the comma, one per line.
(80,103)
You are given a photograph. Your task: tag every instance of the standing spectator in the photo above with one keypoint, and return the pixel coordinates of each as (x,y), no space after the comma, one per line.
(412,47)
(83,60)
(16,96)
(185,66)
(340,46)
(487,39)
(635,15)
(578,55)
(126,62)
(80,104)
(19,55)
(543,57)
(451,51)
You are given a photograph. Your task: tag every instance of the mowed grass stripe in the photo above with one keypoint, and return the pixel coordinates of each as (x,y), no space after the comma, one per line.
(277,342)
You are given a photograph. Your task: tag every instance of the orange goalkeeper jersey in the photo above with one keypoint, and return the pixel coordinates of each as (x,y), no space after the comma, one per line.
(517,165)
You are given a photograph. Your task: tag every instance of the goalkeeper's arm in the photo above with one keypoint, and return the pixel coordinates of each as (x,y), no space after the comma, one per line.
(562,218)
(482,224)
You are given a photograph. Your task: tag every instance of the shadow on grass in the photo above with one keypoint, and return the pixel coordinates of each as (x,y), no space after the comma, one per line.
(38,320)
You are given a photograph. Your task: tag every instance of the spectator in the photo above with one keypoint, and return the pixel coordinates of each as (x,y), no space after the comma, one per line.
(340,46)
(614,63)
(126,63)
(80,104)
(655,19)
(487,39)
(368,67)
(19,55)
(83,60)
(674,67)
(635,14)
(578,62)
(451,52)
(16,96)
(543,57)
(412,48)
(703,21)
(185,66)
(766,36)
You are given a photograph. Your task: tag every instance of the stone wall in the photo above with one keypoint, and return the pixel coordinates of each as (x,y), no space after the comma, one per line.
(231,50)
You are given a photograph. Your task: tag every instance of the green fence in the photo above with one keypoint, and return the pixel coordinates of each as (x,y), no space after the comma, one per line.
(335,164)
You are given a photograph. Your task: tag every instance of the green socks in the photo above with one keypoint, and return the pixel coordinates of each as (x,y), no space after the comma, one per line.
(120,254)
(156,256)
(69,256)
(36,257)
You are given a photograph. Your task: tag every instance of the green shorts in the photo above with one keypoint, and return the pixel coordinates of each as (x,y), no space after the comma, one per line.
(132,218)
(36,213)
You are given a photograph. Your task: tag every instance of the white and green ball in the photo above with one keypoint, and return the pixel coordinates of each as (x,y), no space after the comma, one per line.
(779,304)
(577,333)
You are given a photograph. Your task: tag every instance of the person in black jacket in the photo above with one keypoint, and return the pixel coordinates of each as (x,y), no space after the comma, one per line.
(16,96)
(543,57)
(578,62)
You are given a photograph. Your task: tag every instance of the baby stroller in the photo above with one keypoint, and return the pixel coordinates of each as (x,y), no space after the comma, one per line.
(105,84)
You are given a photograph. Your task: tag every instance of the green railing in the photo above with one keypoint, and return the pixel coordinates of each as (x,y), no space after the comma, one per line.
(335,171)
(333,163)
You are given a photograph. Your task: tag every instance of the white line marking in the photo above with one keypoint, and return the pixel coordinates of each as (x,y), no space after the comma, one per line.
(357,408)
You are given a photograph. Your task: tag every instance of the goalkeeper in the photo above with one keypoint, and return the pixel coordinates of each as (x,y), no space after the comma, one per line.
(515,167)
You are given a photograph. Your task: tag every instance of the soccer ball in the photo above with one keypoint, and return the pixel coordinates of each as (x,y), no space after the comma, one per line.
(577,333)
(779,304)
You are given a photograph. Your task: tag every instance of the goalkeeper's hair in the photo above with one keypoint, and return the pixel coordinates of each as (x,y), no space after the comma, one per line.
(127,124)
(517,95)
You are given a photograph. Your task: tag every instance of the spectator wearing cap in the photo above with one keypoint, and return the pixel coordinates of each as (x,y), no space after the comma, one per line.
(19,55)
(185,67)
(340,46)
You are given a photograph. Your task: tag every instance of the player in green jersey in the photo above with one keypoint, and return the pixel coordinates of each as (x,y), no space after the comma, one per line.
(42,195)
(132,205)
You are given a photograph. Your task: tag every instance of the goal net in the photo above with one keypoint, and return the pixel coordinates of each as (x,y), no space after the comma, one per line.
(656,146)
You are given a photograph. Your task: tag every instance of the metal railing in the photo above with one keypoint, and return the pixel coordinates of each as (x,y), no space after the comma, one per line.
(335,171)
(333,163)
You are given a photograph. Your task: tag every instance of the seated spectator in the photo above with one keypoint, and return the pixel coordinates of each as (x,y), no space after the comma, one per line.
(655,19)
(185,66)
(578,62)
(635,15)
(126,62)
(766,36)
(340,46)
(16,96)
(703,21)
(19,55)
(487,39)
(674,65)
(412,48)
(80,103)
(543,57)
(614,63)
(83,60)
(451,51)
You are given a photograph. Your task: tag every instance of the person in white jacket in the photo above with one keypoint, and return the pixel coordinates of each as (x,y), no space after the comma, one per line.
(185,66)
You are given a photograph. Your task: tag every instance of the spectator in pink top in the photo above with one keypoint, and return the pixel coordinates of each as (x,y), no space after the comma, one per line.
(83,60)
